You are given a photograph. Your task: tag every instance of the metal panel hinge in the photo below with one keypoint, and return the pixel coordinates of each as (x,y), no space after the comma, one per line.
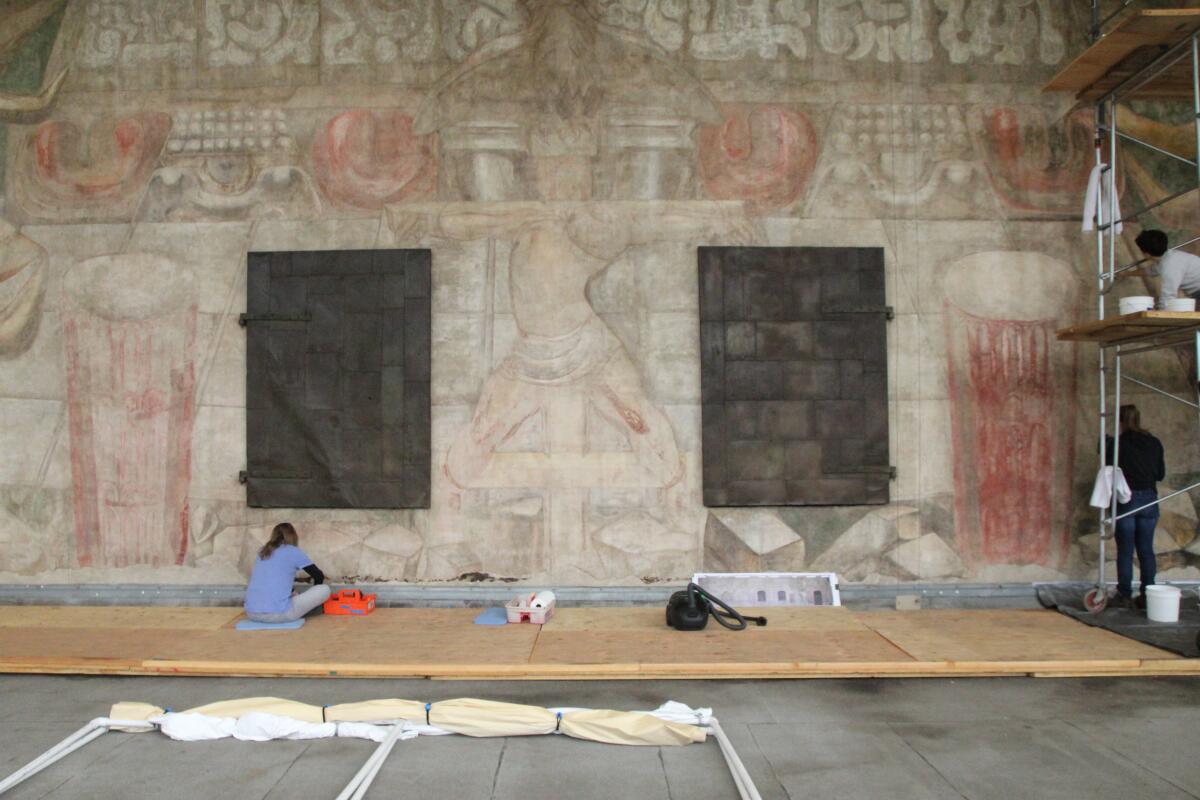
(860,308)
(244,476)
(870,469)
(246,319)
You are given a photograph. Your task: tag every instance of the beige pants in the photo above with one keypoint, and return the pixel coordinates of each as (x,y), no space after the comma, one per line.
(301,605)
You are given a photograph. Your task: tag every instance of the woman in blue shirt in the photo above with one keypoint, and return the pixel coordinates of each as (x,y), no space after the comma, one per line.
(269,596)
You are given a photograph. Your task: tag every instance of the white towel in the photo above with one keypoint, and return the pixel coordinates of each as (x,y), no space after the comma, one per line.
(1097,193)
(1102,489)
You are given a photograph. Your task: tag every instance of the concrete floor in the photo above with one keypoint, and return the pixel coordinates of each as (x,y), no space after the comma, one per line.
(895,739)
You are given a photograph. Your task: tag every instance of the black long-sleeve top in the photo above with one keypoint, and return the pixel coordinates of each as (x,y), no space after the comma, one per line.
(1141,459)
(318,577)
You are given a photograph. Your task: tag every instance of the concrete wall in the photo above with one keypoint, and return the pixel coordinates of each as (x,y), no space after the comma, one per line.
(563,160)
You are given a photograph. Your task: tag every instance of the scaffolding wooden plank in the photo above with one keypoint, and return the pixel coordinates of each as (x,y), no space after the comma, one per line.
(120,617)
(1099,68)
(589,644)
(983,637)
(1115,330)
(823,618)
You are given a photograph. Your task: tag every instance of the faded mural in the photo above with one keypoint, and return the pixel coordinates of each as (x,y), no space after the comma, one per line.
(563,159)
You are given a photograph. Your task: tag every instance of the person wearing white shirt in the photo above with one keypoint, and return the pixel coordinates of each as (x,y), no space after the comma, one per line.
(1175,269)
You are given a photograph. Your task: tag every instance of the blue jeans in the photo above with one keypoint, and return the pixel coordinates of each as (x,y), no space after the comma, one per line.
(1136,532)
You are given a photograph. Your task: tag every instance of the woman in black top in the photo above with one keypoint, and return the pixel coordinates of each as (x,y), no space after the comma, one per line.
(1141,460)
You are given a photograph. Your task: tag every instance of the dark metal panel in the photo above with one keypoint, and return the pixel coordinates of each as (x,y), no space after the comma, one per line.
(337,379)
(793,344)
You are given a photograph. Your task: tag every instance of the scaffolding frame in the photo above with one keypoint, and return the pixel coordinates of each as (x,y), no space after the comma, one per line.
(1114,349)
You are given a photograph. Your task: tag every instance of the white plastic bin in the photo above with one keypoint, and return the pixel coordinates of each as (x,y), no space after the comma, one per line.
(1162,603)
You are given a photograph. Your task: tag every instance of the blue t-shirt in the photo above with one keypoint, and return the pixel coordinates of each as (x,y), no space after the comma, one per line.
(270,589)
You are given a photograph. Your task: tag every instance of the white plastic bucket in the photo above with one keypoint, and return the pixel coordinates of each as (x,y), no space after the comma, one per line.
(1135,303)
(1162,603)
(1181,304)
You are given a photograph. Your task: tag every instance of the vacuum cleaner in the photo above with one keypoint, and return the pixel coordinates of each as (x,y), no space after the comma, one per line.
(689,610)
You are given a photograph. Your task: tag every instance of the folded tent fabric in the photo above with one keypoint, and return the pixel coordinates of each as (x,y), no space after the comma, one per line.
(628,727)
(259,727)
(672,724)
(376,710)
(196,727)
(471,717)
(133,712)
(266,705)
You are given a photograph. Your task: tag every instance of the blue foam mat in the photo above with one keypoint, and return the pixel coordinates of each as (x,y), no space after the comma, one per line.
(251,625)
(492,616)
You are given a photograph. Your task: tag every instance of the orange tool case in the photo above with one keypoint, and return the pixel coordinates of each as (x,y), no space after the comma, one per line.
(350,601)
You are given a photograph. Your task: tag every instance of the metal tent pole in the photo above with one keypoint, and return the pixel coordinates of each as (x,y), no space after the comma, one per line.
(358,785)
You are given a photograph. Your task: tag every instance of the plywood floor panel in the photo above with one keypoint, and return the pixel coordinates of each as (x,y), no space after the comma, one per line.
(1003,635)
(578,644)
(653,619)
(119,617)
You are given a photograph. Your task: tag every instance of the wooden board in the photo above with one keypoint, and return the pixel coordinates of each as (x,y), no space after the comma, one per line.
(828,618)
(578,644)
(1116,55)
(1115,330)
(118,617)
(979,636)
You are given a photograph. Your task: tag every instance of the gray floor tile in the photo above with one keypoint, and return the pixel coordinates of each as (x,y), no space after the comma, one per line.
(698,771)
(983,738)
(149,767)
(1046,760)
(1167,747)
(57,776)
(438,767)
(822,760)
(550,768)
(324,769)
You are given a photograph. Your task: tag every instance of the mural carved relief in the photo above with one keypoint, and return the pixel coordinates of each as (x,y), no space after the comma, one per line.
(1036,164)
(240,33)
(567,466)
(64,172)
(23,266)
(888,157)
(468,25)
(887,30)
(29,83)
(1157,177)
(365,159)
(377,31)
(1012,405)
(128,33)
(223,165)
(729,29)
(662,20)
(1008,32)
(129,325)
(762,154)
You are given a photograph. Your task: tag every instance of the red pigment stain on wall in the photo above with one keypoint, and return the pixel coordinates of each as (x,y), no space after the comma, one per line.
(1039,167)
(762,154)
(366,159)
(1013,446)
(130,398)
(103,168)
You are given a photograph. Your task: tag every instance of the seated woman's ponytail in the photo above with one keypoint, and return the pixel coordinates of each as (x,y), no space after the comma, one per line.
(283,534)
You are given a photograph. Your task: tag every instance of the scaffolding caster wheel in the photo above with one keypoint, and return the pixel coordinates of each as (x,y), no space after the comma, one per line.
(1095,600)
